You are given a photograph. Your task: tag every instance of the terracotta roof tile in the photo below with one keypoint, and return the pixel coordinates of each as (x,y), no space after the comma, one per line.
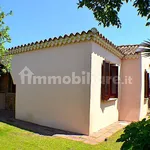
(128,49)
(90,35)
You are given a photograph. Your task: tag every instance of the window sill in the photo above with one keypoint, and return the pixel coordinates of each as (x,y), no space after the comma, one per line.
(112,99)
(146,100)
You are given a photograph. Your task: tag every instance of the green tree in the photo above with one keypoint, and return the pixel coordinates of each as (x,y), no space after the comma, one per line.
(146,48)
(136,136)
(106,11)
(4,38)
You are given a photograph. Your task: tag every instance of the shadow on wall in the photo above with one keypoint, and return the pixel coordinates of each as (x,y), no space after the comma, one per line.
(105,104)
(8,118)
(110,64)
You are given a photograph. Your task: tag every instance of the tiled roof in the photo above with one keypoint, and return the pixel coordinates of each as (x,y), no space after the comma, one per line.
(122,51)
(91,35)
(128,49)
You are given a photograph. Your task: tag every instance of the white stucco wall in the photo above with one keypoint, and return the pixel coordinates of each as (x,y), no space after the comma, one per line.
(133,106)
(130,93)
(59,106)
(145,64)
(102,113)
(79,107)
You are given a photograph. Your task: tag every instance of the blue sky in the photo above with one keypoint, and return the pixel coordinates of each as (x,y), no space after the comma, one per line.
(41,19)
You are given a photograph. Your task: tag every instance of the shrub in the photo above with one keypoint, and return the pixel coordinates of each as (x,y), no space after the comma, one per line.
(136,136)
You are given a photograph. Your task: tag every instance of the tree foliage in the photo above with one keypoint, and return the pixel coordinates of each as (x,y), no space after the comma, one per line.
(4,38)
(106,11)
(146,48)
(136,136)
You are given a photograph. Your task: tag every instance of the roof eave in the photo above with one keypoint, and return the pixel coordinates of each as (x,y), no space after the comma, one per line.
(91,35)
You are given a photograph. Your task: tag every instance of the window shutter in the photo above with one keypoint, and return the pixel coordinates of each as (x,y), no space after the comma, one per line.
(105,90)
(146,87)
(114,81)
(145,84)
(103,83)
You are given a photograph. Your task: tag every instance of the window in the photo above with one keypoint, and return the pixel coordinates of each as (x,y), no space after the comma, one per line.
(109,81)
(146,89)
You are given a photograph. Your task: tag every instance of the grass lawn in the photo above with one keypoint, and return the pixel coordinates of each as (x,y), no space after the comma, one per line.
(12,138)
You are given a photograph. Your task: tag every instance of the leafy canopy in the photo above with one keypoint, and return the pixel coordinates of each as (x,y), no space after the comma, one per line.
(106,11)
(146,48)
(136,136)
(4,38)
